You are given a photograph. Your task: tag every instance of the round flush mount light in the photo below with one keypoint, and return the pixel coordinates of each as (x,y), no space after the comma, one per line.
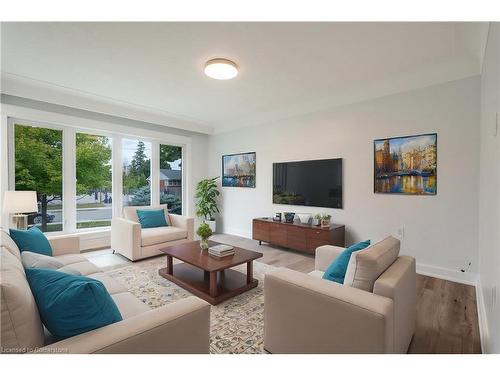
(221,69)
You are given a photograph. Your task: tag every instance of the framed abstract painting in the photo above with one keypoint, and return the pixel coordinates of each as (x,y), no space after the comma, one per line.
(238,170)
(406,165)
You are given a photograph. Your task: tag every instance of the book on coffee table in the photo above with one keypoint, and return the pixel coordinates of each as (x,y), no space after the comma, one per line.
(221,250)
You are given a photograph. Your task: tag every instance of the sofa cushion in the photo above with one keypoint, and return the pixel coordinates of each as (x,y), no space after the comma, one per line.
(112,286)
(367,265)
(70,305)
(20,321)
(32,240)
(129,305)
(153,236)
(85,268)
(7,242)
(337,269)
(152,218)
(71,258)
(130,212)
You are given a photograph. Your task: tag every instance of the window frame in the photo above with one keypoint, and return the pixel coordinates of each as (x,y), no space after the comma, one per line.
(70,125)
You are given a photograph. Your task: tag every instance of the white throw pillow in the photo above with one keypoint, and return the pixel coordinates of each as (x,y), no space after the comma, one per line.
(35,260)
(365,266)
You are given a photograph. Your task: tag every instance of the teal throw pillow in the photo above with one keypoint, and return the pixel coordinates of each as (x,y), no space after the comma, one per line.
(337,269)
(152,218)
(70,305)
(32,240)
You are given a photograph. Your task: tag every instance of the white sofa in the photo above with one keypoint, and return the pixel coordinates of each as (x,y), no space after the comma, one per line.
(180,327)
(375,313)
(133,242)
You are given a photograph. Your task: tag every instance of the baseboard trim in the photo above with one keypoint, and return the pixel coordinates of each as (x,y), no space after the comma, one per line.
(467,278)
(481,317)
(237,232)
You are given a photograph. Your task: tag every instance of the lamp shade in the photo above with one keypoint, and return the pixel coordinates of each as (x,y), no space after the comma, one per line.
(16,202)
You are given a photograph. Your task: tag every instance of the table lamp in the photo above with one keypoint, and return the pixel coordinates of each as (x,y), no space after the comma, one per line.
(16,204)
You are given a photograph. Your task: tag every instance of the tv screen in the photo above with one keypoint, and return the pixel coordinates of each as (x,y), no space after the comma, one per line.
(315,183)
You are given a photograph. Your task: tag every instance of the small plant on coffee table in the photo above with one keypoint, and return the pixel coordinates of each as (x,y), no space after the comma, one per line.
(204,232)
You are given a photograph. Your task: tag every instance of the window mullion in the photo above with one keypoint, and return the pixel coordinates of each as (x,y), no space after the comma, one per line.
(117,175)
(69,180)
(155,173)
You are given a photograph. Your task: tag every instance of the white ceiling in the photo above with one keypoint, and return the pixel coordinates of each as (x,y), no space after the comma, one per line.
(285,68)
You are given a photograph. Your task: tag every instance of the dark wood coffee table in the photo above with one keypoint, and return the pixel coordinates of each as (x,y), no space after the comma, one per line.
(206,276)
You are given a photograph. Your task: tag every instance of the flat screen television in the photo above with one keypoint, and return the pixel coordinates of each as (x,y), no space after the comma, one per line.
(315,183)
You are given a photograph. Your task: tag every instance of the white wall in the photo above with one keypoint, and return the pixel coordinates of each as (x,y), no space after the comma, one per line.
(440,231)
(489,224)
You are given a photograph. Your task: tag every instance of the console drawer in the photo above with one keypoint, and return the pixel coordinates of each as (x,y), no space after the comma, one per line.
(278,235)
(296,238)
(319,234)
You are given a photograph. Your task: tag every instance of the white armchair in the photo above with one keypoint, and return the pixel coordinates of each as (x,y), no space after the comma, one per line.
(133,242)
(305,314)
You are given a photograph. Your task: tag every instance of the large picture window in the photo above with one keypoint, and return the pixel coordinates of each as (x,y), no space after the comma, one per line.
(84,176)
(136,156)
(171,177)
(93,181)
(38,167)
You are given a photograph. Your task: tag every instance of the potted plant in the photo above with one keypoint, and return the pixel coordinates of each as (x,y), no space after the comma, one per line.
(206,204)
(204,232)
(316,220)
(325,220)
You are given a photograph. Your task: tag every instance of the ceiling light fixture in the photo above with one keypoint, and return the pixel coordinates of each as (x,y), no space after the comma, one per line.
(221,69)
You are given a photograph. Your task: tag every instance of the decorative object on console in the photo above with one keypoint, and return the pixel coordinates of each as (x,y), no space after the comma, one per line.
(289,217)
(316,220)
(304,218)
(277,217)
(325,220)
(206,204)
(17,203)
(238,170)
(406,165)
(204,232)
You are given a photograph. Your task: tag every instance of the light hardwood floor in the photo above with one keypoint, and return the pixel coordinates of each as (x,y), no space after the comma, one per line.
(447,319)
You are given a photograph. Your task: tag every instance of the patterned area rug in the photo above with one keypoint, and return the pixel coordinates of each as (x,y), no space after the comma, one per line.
(236,325)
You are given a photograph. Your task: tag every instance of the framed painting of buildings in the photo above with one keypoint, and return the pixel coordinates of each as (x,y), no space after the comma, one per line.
(238,170)
(406,165)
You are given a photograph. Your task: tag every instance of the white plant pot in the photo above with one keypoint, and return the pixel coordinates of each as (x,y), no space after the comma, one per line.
(211,224)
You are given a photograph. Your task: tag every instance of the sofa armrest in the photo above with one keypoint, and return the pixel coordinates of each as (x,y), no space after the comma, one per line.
(325,255)
(399,283)
(65,244)
(126,237)
(184,222)
(180,327)
(305,314)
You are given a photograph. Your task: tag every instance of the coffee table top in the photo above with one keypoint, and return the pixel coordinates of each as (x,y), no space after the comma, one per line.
(190,252)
